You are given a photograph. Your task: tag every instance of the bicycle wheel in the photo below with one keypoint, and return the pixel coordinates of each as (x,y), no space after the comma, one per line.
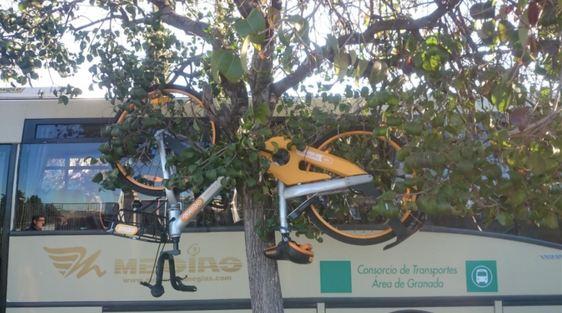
(351,217)
(184,115)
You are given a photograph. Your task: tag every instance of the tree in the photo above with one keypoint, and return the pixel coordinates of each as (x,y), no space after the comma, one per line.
(471,88)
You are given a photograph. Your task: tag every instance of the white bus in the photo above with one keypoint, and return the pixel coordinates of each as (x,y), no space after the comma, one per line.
(75,266)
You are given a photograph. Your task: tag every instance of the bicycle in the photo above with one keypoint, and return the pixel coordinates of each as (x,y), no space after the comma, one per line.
(325,181)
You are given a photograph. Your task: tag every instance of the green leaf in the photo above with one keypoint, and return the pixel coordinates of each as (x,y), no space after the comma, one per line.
(63,99)
(432,59)
(252,26)
(138,93)
(414,128)
(427,205)
(211,174)
(352,57)
(97,178)
(301,26)
(228,64)
(504,218)
(131,9)
(341,63)
(487,32)
(361,68)
(505,30)
(482,10)
(500,98)
(216,57)
(551,221)
(262,113)
(244,53)
(537,163)
(432,41)
(523,30)
(242,27)
(387,196)
(465,167)
(378,72)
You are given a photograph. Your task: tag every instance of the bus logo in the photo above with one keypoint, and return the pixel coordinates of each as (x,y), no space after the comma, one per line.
(74,260)
(481,276)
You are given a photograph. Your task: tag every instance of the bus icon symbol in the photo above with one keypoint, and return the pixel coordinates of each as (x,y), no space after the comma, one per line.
(481,276)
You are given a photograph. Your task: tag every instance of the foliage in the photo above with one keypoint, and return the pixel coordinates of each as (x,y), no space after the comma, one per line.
(470,88)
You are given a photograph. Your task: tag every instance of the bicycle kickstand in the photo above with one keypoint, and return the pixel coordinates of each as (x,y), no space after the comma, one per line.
(157,289)
(404,230)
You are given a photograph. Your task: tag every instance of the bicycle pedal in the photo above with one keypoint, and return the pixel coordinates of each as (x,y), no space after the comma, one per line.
(291,251)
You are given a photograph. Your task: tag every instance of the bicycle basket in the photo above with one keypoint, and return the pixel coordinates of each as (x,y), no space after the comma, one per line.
(145,222)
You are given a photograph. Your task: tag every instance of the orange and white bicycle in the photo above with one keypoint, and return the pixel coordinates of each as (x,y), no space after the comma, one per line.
(338,195)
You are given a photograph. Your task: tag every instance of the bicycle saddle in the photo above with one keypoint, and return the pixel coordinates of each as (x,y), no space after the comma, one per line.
(292,251)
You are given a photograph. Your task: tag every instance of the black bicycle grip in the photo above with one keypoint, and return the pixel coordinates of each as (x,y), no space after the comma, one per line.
(155,290)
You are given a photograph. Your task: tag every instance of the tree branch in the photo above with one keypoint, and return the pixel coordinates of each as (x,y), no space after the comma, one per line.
(316,58)
(184,64)
(190,27)
(245,6)
(402,23)
(93,23)
(536,127)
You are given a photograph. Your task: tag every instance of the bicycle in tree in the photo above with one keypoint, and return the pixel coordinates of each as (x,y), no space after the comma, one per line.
(336,194)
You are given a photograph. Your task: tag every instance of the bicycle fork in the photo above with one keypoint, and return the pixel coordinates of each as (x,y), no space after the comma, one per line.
(302,253)
(177,221)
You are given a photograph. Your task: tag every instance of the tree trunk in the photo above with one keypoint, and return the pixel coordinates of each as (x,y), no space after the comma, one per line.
(265,288)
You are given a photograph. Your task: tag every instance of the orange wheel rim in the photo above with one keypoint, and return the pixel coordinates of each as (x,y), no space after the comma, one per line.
(124,114)
(407,196)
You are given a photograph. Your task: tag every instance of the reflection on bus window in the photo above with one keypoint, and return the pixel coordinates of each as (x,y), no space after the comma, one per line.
(521,228)
(4,159)
(67,131)
(56,180)
(4,163)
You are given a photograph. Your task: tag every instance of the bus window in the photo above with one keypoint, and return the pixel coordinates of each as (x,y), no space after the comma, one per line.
(55,174)
(56,180)
(520,228)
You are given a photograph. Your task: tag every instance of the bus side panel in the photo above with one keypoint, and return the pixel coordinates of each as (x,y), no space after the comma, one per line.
(108,268)
(418,310)
(533,309)
(56,310)
(14,113)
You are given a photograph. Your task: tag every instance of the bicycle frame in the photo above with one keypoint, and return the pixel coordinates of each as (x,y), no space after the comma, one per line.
(293,182)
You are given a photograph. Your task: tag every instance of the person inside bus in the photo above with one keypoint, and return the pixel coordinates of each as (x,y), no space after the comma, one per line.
(37,223)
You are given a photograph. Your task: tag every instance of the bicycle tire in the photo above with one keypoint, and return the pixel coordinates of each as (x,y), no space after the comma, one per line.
(369,233)
(148,181)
